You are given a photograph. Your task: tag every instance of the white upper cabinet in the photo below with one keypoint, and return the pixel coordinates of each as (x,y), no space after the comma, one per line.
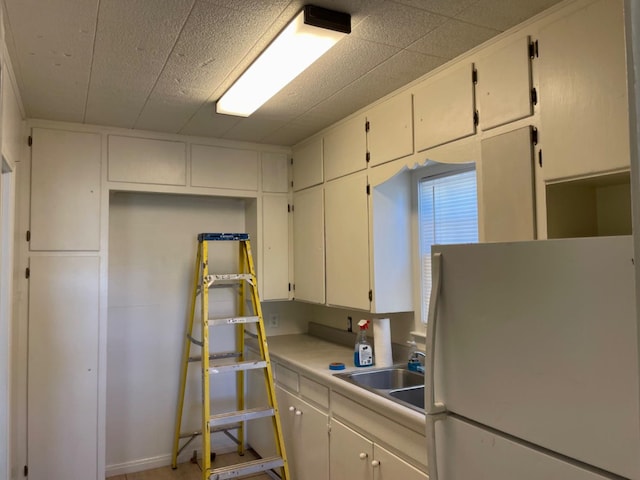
(390,245)
(307,164)
(220,167)
(275,247)
(308,245)
(507,198)
(584,124)
(443,108)
(504,89)
(65,190)
(347,238)
(143,160)
(275,172)
(390,130)
(345,148)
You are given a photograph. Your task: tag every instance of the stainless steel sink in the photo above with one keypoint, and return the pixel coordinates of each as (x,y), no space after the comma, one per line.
(386,379)
(413,396)
(398,384)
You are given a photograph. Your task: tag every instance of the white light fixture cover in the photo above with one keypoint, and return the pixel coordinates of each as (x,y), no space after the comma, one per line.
(294,49)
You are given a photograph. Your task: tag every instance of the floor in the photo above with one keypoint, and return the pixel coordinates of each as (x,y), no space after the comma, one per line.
(191,471)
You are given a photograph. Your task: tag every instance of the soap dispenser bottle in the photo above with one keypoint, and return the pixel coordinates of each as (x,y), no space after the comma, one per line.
(363,353)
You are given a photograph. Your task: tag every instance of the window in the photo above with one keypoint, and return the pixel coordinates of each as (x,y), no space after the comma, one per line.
(447,213)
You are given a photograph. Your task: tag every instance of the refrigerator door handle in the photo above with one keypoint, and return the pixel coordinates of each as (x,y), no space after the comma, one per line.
(431,406)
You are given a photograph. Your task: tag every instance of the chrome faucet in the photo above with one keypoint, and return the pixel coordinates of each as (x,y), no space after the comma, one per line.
(414,359)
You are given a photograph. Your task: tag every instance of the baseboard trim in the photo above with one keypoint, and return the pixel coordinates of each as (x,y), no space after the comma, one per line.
(150,463)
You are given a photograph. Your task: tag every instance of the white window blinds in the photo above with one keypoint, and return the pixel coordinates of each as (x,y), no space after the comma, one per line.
(448,213)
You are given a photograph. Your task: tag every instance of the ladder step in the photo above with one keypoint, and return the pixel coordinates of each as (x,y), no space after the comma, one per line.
(228,277)
(215,356)
(224,419)
(248,468)
(235,367)
(195,433)
(216,322)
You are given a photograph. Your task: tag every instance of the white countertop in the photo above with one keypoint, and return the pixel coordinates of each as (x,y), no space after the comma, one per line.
(311,356)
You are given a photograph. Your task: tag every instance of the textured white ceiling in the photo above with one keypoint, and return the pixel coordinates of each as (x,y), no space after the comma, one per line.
(161,64)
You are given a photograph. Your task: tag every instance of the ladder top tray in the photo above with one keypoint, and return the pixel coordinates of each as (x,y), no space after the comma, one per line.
(223,236)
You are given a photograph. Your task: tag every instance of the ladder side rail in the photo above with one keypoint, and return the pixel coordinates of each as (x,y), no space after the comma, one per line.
(240,377)
(268,372)
(186,351)
(206,406)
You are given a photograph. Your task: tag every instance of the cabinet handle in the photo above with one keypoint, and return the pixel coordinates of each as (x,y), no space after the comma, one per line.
(363,456)
(298,412)
(375,463)
(292,408)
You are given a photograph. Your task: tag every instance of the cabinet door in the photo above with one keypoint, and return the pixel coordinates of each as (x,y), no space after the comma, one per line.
(507,197)
(347,237)
(275,172)
(62,434)
(345,149)
(504,85)
(65,190)
(219,167)
(145,160)
(307,164)
(583,92)
(308,245)
(275,247)
(306,437)
(351,454)
(390,133)
(390,467)
(444,108)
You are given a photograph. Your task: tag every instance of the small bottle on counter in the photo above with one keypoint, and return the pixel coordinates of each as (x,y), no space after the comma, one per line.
(363,353)
(413,362)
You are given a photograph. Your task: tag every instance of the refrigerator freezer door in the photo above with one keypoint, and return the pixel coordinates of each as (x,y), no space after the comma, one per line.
(539,340)
(465,452)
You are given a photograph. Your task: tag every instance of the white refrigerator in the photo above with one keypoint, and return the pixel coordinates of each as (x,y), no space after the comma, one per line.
(532,361)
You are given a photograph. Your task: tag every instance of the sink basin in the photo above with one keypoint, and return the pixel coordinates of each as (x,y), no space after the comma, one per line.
(385,379)
(413,396)
(396,383)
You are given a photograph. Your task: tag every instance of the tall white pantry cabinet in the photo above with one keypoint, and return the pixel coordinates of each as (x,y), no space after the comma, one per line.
(72,171)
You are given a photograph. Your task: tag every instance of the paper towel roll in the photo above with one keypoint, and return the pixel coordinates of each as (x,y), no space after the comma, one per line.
(382,342)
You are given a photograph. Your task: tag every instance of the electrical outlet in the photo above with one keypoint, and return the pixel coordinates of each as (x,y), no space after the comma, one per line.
(273,321)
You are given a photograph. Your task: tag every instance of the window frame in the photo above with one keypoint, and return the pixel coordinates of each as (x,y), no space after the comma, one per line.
(431,170)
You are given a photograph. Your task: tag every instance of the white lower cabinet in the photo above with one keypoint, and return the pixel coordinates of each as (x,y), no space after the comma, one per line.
(358,458)
(306,437)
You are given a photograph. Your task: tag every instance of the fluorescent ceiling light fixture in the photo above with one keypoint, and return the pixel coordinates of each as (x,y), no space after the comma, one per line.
(309,35)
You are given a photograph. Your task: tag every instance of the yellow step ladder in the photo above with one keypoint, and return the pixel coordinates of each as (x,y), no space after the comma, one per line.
(217,363)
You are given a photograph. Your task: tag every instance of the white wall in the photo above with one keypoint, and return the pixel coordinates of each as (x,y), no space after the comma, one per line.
(152,248)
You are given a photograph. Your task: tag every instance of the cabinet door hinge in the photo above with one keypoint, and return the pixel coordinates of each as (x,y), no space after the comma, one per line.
(291,161)
(474,76)
(30,140)
(534,96)
(367,126)
(288,208)
(28,236)
(371,295)
(534,135)
(289,286)
(540,157)
(533,49)
(368,189)
(476,118)
(27,272)
(368,157)
(25,470)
